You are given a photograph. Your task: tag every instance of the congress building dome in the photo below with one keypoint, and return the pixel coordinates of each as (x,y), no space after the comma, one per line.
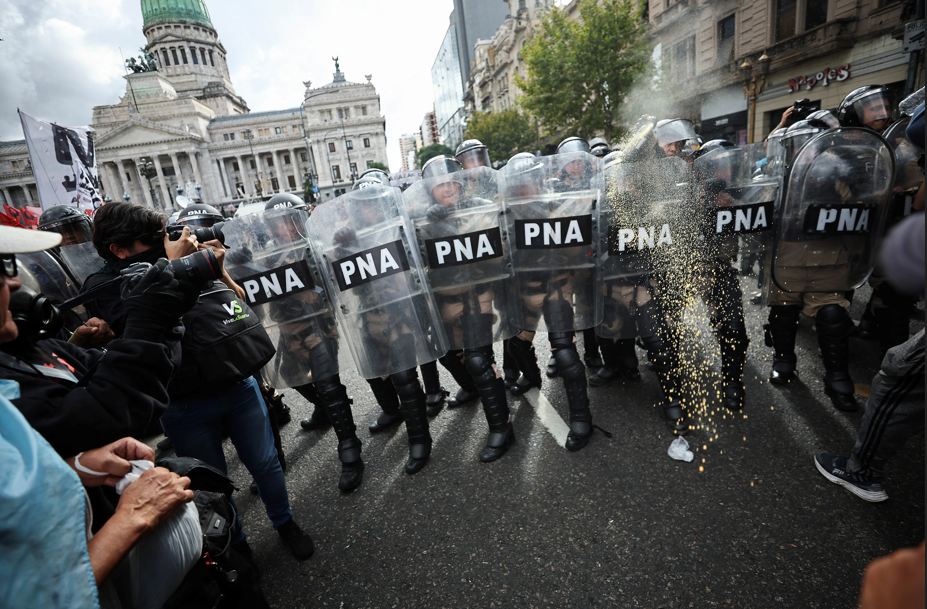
(156,12)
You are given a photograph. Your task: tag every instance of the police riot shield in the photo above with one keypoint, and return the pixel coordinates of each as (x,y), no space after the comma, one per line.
(268,257)
(365,247)
(82,260)
(458,224)
(835,201)
(908,175)
(738,205)
(55,282)
(551,218)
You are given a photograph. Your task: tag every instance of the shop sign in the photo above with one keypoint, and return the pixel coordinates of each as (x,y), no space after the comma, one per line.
(823,78)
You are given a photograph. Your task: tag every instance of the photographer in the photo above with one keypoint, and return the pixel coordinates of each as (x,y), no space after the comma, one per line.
(46,558)
(213,393)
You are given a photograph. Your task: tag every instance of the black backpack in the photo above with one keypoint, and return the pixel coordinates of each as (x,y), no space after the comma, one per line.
(221,578)
(224,342)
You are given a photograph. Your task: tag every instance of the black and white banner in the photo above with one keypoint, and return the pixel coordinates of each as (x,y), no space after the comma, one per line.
(63,163)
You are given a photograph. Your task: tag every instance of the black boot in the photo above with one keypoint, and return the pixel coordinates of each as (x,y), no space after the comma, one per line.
(434,392)
(510,371)
(619,358)
(522,351)
(627,359)
(594,362)
(833,326)
(780,335)
(573,373)
(338,407)
(453,363)
(495,404)
(412,403)
(733,340)
(663,362)
(385,394)
(318,419)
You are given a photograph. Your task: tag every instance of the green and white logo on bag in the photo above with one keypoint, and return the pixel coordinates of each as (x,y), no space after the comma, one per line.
(233,308)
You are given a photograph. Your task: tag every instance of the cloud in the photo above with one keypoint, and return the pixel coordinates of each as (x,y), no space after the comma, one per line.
(60,58)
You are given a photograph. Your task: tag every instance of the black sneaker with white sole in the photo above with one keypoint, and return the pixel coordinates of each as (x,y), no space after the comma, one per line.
(834,468)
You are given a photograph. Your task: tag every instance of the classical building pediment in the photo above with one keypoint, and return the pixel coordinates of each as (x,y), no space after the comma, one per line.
(143,132)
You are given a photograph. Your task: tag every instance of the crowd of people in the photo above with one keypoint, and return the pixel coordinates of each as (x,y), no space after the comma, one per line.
(174,332)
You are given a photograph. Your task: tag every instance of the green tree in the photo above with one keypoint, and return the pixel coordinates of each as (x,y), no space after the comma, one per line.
(578,73)
(504,133)
(380,166)
(429,152)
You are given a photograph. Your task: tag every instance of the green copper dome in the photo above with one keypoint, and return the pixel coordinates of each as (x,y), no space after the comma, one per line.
(175,11)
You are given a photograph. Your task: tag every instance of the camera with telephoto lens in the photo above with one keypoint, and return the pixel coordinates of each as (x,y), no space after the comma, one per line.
(175,231)
(803,108)
(197,268)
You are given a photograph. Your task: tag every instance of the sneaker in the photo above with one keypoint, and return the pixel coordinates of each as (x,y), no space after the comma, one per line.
(835,469)
(300,544)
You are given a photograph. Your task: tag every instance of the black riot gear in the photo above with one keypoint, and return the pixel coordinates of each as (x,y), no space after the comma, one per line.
(71,223)
(869,106)
(285,200)
(672,134)
(798,134)
(473,153)
(828,116)
(199,216)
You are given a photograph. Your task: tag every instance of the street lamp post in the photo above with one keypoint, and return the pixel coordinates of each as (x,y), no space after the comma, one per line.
(753,88)
(302,120)
(147,169)
(249,136)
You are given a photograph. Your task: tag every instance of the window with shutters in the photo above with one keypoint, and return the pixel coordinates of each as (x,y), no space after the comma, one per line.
(336,172)
(366,142)
(278,130)
(174,55)
(211,62)
(196,60)
(286,159)
(183,54)
(203,55)
(166,60)
(349,145)
(331,146)
(786,13)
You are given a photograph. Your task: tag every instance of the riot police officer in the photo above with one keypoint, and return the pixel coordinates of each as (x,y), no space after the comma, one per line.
(71,223)
(673,135)
(598,147)
(826,242)
(462,246)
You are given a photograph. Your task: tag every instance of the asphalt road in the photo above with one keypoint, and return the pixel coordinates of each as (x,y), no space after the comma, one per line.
(749,523)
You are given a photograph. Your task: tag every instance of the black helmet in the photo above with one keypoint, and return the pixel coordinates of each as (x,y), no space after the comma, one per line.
(68,221)
(440,166)
(798,134)
(473,153)
(573,144)
(283,201)
(199,215)
(718,159)
(874,99)
(828,116)
(377,174)
(599,147)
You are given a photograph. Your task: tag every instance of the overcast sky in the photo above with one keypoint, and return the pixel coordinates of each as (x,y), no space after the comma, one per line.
(59,58)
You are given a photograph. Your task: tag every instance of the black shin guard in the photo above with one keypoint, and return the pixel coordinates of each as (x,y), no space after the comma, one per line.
(780,335)
(733,340)
(833,326)
(412,403)
(385,394)
(495,403)
(522,351)
(573,373)
(337,405)
(663,360)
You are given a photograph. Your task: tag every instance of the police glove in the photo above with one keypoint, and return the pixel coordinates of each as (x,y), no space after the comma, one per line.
(155,300)
(438,212)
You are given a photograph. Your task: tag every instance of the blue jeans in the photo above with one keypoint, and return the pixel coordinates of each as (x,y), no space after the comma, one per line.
(196,425)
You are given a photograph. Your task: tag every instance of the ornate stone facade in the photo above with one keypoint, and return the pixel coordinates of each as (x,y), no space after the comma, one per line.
(188,122)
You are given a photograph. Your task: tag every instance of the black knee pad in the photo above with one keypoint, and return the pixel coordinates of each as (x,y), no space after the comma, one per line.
(406,383)
(569,364)
(657,354)
(832,320)
(558,314)
(479,365)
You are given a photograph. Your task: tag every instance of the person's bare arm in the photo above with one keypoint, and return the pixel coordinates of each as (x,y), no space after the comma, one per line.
(145,504)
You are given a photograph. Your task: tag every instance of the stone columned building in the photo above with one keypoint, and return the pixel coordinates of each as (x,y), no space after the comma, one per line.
(185,124)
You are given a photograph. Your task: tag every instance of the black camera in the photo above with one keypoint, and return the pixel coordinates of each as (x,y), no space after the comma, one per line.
(214,232)
(802,109)
(197,268)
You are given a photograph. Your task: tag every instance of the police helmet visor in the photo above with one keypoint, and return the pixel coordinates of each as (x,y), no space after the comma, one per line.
(524,176)
(195,222)
(827,117)
(378,175)
(72,230)
(873,108)
(475,157)
(794,142)
(676,130)
(724,163)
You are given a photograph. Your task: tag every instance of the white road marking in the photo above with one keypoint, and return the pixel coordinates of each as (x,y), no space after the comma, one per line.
(548,416)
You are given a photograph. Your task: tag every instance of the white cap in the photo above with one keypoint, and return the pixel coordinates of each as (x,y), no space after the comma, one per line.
(23,241)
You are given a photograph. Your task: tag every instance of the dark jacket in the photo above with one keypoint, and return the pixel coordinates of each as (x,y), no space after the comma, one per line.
(128,391)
